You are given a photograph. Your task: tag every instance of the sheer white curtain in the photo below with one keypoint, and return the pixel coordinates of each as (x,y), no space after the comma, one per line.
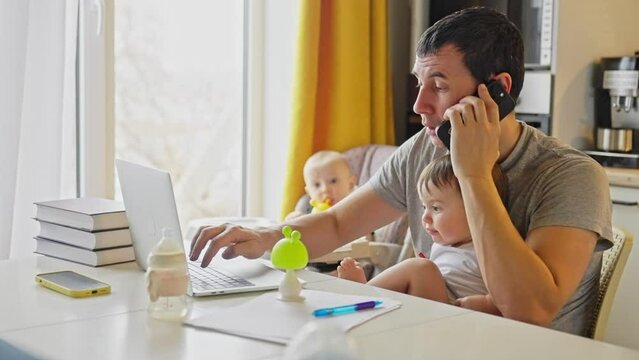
(37,114)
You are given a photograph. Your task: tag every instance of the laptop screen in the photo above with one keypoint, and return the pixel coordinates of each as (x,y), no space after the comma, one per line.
(150,206)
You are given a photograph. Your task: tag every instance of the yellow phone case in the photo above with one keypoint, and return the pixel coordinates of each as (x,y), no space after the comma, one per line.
(72,284)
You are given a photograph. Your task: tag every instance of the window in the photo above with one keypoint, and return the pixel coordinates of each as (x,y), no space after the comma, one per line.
(178,74)
(193,81)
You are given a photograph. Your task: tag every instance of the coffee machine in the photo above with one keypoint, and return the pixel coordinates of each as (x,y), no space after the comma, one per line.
(617,112)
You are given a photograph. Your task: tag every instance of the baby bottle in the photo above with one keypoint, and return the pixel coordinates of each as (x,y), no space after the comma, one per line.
(167,278)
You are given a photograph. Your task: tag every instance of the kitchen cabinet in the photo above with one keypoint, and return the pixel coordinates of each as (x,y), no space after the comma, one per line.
(623,322)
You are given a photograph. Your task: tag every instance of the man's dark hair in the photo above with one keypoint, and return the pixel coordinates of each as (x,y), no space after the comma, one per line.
(489,42)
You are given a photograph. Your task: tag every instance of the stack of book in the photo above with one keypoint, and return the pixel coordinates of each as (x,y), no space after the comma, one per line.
(91,231)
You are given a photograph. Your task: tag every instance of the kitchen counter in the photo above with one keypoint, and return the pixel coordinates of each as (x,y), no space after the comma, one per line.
(623,177)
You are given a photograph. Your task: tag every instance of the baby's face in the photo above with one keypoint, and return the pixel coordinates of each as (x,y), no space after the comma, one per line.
(444,217)
(330,182)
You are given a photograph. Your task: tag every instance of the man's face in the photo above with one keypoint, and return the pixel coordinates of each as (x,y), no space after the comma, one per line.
(443,80)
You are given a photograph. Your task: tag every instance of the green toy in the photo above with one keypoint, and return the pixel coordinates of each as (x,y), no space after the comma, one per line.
(290,254)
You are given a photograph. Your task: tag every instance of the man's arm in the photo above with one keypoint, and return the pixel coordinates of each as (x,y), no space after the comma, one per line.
(356,215)
(529,280)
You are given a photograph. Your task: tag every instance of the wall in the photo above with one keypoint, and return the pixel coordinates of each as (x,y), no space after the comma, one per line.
(587,31)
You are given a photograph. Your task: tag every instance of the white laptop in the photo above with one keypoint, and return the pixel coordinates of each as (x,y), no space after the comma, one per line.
(150,206)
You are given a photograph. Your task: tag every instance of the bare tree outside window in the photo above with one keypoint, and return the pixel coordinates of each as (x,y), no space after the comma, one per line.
(178,97)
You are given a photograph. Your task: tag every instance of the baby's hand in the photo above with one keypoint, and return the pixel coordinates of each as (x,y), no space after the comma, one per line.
(481,303)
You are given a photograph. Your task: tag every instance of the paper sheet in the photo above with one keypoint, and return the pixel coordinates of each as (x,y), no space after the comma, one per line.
(267,318)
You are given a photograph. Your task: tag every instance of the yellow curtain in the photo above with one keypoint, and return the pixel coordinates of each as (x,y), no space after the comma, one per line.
(342,88)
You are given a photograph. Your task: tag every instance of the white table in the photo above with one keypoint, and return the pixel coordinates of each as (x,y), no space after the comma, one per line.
(116,326)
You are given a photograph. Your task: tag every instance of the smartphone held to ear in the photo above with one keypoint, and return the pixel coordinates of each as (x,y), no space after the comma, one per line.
(502,98)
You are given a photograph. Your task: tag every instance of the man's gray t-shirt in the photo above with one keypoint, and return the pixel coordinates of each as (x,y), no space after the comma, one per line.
(549,184)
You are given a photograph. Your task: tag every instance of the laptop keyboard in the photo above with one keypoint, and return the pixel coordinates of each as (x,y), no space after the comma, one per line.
(203,279)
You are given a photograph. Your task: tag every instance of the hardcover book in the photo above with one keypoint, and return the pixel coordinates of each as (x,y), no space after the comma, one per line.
(90,214)
(94,240)
(84,256)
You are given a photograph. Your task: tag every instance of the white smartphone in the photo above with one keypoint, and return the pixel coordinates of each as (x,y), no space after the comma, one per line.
(72,284)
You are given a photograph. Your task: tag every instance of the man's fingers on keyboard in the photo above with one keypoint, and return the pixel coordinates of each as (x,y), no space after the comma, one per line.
(196,243)
(205,235)
(197,236)
(212,249)
(225,238)
(248,249)
(229,252)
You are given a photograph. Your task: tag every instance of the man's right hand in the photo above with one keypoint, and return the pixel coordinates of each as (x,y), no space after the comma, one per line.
(237,241)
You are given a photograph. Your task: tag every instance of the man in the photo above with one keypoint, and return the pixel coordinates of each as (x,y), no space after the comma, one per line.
(537,254)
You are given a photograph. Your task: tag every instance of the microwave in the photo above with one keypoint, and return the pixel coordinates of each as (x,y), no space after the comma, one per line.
(534,18)
(534,104)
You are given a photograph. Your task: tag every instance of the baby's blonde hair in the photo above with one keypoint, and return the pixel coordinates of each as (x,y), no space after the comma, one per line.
(323,158)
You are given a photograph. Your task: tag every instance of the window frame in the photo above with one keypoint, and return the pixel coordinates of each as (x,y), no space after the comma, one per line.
(95,115)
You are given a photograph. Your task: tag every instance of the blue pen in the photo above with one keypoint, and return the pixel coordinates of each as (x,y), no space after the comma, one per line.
(346,309)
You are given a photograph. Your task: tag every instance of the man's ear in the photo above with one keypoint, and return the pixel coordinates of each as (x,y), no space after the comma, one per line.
(505,79)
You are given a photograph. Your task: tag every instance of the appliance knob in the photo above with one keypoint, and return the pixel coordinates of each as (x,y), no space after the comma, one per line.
(616,103)
(627,104)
